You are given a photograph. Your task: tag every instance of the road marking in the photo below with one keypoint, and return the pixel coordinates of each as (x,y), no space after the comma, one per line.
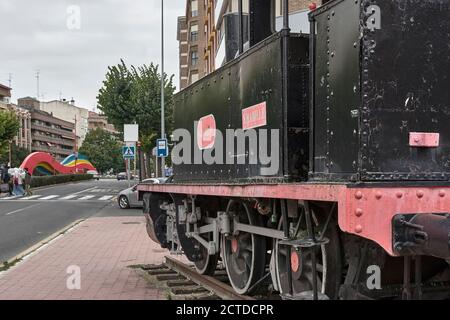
(23,209)
(49,197)
(100,190)
(86,198)
(30,197)
(69,197)
(9,198)
(36,198)
(105,198)
(87,190)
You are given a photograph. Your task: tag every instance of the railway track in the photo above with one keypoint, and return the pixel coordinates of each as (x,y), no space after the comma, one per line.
(182,282)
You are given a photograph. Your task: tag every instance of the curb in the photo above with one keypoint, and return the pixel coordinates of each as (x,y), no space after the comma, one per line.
(48,187)
(13,261)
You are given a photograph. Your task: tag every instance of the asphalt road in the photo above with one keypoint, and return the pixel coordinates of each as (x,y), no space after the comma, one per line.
(26,221)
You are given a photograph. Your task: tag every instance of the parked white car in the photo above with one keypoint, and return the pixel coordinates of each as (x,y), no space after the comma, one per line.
(128,198)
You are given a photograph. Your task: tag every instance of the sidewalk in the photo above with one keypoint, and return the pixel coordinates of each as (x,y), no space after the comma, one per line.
(103,249)
(3,195)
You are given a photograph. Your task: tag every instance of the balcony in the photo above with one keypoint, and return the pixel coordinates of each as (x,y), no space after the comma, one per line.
(61,132)
(51,150)
(58,141)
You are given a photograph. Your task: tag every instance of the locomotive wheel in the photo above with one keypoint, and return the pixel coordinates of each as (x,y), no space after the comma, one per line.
(208,263)
(327,259)
(244,254)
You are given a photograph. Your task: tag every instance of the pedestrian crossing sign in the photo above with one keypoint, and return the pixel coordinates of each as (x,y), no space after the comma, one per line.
(129,152)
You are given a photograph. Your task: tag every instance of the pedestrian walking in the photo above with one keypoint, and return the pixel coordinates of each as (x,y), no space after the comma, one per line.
(18,179)
(27,182)
(8,180)
(15,183)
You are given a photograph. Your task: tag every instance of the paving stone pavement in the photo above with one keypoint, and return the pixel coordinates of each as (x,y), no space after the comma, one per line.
(103,249)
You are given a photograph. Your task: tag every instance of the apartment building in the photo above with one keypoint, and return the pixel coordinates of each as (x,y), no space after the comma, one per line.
(68,111)
(183,52)
(192,41)
(208,34)
(5,94)
(23,138)
(96,121)
(48,133)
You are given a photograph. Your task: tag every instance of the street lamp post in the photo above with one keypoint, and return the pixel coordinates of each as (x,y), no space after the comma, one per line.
(163,129)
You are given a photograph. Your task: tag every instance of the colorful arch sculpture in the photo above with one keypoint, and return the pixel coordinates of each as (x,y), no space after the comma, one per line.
(45,164)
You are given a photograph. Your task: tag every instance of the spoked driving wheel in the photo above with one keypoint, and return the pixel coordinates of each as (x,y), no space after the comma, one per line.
(328,267)
(243,253)
(207,263)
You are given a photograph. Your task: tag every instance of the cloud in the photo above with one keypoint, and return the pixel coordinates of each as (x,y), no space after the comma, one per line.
(35,36)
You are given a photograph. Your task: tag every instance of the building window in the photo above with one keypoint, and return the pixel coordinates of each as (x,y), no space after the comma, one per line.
(194,58)
(194,77)
(194,33)
(194,8)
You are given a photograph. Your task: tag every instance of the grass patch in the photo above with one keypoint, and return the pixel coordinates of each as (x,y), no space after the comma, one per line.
(7,265)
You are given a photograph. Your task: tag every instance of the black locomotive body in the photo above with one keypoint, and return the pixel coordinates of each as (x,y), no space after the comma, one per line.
(373,89)
(359,108)
(255,78)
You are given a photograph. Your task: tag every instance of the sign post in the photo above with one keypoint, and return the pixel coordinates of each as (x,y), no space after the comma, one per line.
(131,137)
(163,125)
(129,153)
(141,161)
(162,151)
(155,154)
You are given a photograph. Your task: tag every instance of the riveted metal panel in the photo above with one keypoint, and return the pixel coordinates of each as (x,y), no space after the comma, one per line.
(195,102)
(398,70)
(406,81)
(253,78)
(337,91)
(321,92)
(344,91)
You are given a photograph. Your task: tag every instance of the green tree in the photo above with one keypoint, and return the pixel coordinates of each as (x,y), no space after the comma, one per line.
(133,95)
(9,126)
(103,150)
(18,154)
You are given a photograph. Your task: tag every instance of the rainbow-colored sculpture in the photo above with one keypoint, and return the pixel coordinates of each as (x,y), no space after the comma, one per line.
(45,164)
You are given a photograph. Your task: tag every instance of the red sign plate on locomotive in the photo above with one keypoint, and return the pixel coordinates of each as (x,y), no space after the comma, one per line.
(254,116)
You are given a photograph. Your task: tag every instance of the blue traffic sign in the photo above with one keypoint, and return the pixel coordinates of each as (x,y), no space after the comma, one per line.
(129,152)
(162,149)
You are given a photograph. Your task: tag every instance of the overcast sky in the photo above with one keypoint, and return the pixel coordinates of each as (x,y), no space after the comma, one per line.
(43,35)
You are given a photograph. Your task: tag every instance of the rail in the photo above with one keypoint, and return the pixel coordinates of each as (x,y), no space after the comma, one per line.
(220,289)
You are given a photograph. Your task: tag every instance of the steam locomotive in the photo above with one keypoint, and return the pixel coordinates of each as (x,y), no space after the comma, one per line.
(317,165)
